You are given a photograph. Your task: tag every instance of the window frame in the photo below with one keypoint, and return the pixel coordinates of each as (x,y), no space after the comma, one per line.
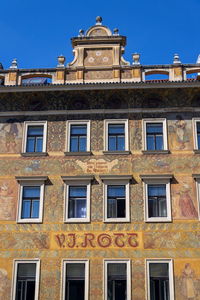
(165,138)
(128,275)
(30,181)
(63,275)
(108,122)
(77,181)
(116,180)
(69,123)
(16,262)
(194,122)
(197,179)
(25,132)
(157,180)
(171,275)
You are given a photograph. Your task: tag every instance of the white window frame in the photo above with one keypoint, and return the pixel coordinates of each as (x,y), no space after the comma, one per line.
(171,276)
(194,122)
(77,181)
(128,275)
(107,122)
(197,179)
(34,123)
(31,182)
(69,123)
(16,262)
(158,179)
(117,181)
(144,126)
(63,274)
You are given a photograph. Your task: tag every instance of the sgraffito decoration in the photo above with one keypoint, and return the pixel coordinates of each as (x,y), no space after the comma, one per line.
(96,240)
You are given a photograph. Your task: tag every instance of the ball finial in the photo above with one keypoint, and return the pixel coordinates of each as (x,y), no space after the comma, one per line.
(98,20)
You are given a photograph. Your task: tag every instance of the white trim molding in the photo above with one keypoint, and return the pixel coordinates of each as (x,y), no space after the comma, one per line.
(128,275)
(171,276)
(197,179)
(69,123)
(159,179)
(69,181)
(194,123)
(107,122)
(63,274)
(144,136)
(25,131)
(16,262)
(32,181)
(116,180)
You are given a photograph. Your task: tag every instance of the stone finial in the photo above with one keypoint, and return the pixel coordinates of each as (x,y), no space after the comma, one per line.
(14,64)
(98,20)
(136,58)
(198,59)
(116,31)
(1,66)
(61,61)
(81,33)
(176,59)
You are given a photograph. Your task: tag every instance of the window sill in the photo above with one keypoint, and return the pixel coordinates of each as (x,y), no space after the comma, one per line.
(74,221)
(28,221)
(117,221)
(158,220)
(34,154)
(86,153)
(117,152)
(196,151)
(155,152)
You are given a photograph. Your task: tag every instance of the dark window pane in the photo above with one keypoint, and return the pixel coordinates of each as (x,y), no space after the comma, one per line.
(116,191)
(154,128)
(116,203)
(159,281)
(78,138)
(30,202)
(75,282)
(30,144)
(35,209)
(77,202)
(116,137)
(34,139)
(157,202)
(154,136)
(26,209)
(25,285)
(116,129)
(198,140)
(117,281)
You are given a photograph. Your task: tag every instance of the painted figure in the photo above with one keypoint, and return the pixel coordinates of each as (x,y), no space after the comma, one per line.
(4,284)
(182,136)
(7,205)
(186,205)
(188,287)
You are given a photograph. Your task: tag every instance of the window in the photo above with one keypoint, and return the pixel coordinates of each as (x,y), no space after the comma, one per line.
(157,197)
(78,136)
(75,280)
(160,280)
(196,130)
(117,280)
(155,134)
(77,198)
(26,280)
(193,209)
(116,198)
(116,135)
(31,196)
(35,134)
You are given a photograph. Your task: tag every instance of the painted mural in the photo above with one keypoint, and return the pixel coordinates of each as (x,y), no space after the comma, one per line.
(8,199)
(10,136)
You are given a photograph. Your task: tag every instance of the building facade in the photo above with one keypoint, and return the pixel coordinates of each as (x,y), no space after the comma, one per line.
(100,177)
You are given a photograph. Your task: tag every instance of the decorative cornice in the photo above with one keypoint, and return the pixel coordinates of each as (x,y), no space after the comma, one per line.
(31,178)
(116,177)
(78,178)
(146,177)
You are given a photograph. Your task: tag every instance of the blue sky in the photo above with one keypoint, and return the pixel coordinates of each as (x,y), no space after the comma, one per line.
(36,32)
